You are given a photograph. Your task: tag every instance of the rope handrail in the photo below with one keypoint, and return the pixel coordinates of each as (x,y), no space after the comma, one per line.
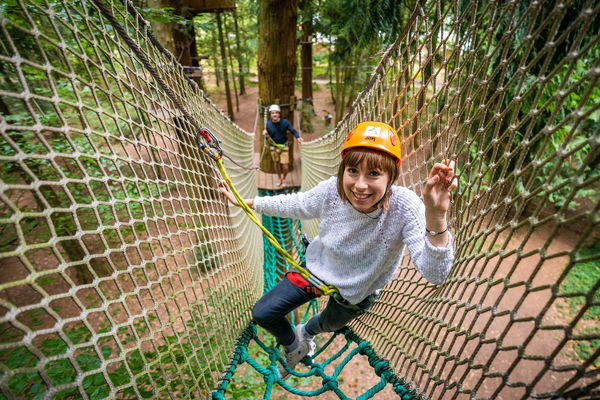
(328,290)
(213,142)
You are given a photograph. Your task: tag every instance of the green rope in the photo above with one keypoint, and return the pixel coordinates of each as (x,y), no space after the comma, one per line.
(286,231)
(330,383)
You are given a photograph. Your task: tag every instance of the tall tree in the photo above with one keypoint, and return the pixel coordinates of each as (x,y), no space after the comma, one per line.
(215,57)
(307,9)
(230,57)
(238,52)
(277,61)
(224,59)
(353,26)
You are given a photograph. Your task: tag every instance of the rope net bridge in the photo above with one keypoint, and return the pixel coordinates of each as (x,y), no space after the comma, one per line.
(126,275)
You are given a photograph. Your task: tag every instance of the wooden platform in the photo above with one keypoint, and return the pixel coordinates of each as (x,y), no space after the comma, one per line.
(270,181)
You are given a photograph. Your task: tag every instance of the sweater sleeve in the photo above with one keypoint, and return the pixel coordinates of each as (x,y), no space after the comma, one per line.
(434,263)
(291,129)
(302,205)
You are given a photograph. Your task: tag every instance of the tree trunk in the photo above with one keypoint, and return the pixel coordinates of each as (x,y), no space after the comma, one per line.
(237,101)
(239,54)
(215,58)
(181,38)
(340,88)
(162,31)
(195,60)
(225,75)
(306,54)
(353,73)
(277,61)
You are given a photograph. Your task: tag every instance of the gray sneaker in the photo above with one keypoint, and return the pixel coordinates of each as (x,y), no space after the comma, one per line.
(306,347)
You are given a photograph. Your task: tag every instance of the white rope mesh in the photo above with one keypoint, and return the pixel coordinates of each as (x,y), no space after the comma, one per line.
(507,89)
(124,272)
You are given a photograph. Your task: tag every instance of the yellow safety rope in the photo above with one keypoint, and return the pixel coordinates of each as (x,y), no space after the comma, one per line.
(328,290)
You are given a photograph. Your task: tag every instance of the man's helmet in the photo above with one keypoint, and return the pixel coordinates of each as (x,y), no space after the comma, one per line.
(374,135)
(274,107)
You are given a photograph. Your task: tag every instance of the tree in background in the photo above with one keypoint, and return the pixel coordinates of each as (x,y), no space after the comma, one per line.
(359,33)
(242,27)
(238,53)
(307,14)
(224,59)
(277,60)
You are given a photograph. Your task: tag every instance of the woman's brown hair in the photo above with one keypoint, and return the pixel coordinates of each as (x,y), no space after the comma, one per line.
(375,159)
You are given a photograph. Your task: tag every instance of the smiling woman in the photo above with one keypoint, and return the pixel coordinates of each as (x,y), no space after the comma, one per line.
(365,187)
(365,178)
(370,165)
(361,202)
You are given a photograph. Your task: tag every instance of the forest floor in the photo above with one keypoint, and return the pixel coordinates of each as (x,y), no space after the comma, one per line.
(358,377)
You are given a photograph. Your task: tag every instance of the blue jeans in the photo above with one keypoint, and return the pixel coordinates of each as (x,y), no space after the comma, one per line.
(271,309)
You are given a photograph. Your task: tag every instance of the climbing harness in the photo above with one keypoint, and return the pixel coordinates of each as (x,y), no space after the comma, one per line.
(273,144)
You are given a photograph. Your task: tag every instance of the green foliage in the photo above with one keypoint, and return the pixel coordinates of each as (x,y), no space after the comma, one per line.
(580,281)
(206,34)
(356,24)
(558,151)
(163,15)
(581,278)
(207,258)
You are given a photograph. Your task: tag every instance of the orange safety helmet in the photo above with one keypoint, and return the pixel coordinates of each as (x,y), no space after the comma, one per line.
(374,135)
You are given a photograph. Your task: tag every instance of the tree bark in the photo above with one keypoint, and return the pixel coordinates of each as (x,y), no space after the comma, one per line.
(306,54)
(229,56)
(239,54)
(277,60)
(340,88)
(181,38)
(353,73)
(162,31)
(195,61)
(225,75)
(215,58)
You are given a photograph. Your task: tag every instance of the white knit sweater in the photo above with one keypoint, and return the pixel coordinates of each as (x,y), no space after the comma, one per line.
(359,253)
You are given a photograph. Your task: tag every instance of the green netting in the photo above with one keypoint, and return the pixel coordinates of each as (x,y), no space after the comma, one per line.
(340,359)
(124,274)
(288,233)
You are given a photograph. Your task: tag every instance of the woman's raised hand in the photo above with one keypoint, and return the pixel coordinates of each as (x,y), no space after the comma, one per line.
(226,190)
(437,194)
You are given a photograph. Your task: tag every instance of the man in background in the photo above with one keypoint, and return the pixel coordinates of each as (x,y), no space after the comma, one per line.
(277,129)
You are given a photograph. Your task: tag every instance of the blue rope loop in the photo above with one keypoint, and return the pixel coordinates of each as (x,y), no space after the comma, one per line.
(329,382)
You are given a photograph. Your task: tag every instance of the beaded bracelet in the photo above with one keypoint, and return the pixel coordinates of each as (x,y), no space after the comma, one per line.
(433,233)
